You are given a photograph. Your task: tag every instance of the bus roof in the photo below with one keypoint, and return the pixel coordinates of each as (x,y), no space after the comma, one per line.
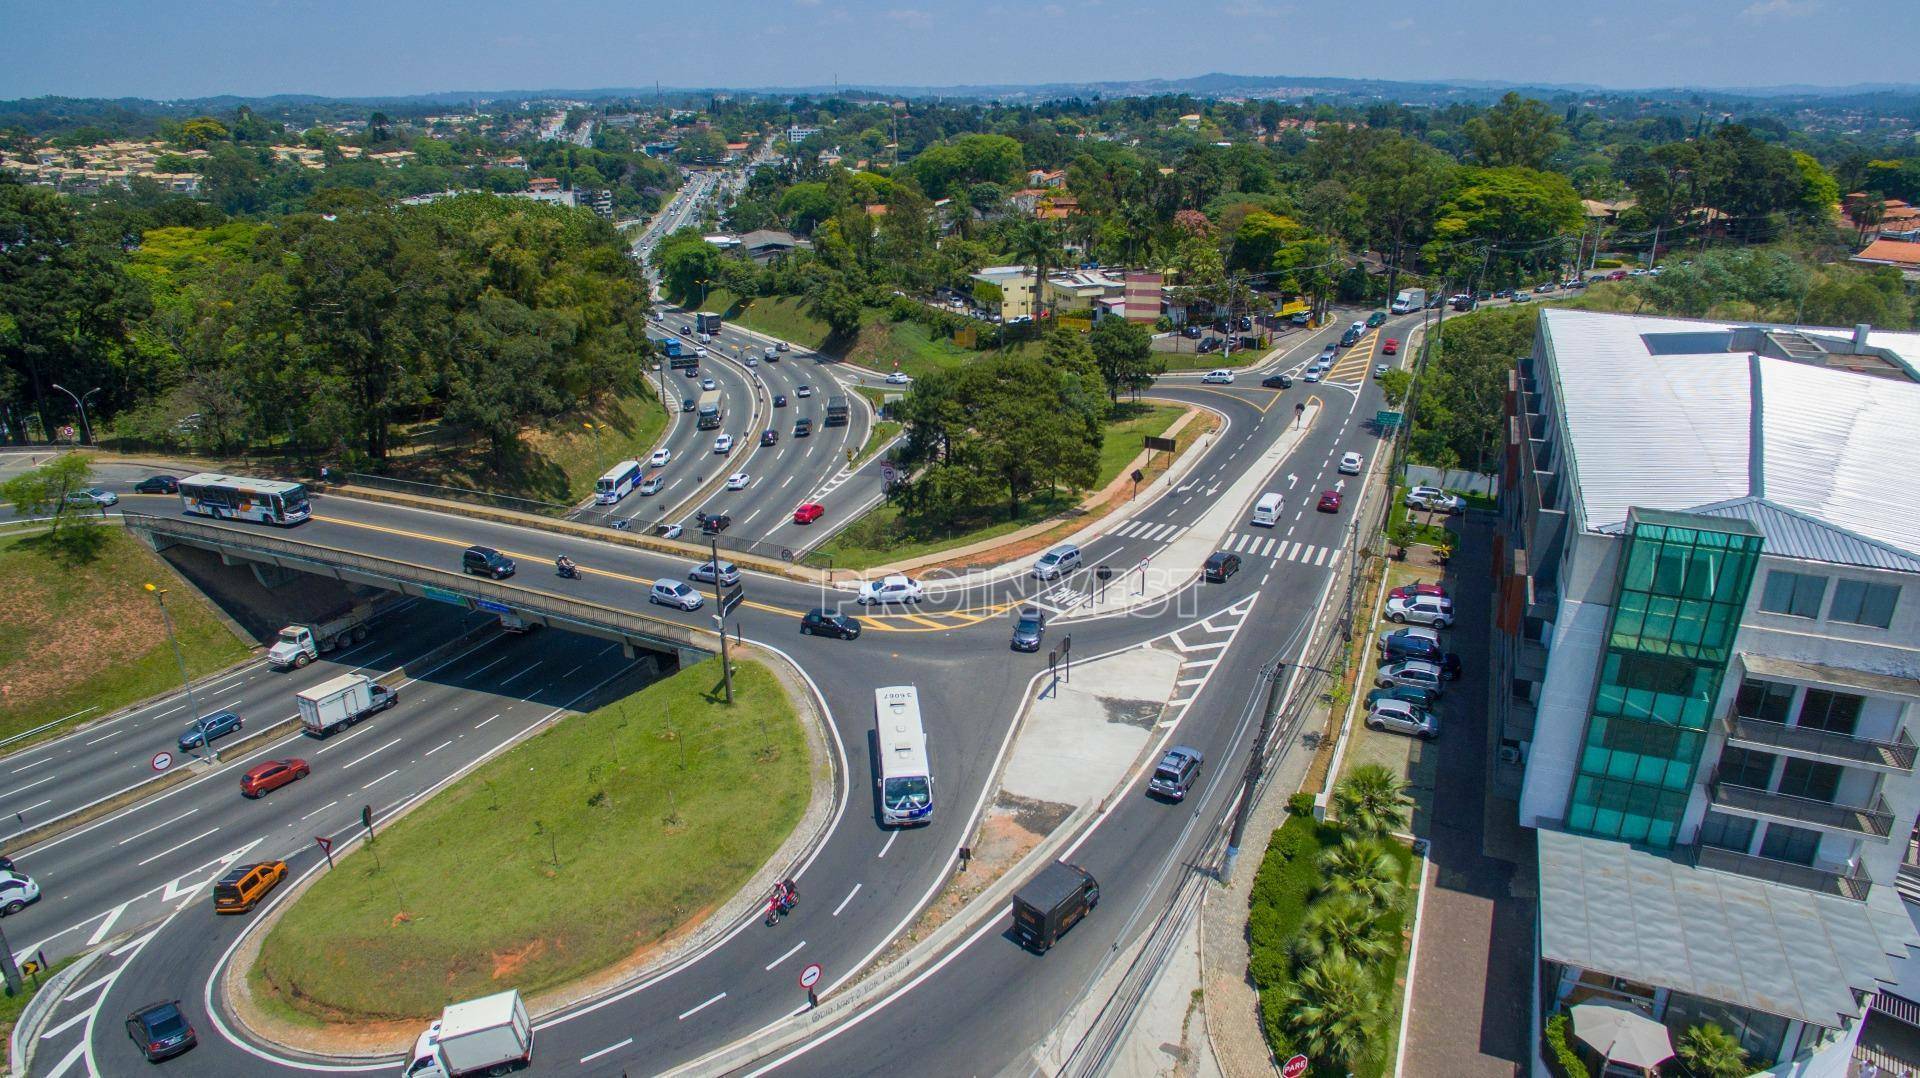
(614,473)
(264,486)
(903,741)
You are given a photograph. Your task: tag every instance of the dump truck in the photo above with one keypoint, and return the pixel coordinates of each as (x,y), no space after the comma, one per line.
(489,1035)
(301,643)
(340,702)
(1052,902)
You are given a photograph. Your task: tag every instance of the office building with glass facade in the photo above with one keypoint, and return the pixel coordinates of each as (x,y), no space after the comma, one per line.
(1706,667)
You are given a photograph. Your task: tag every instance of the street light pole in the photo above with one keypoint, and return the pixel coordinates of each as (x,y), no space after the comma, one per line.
(1256,765)
(720,618)
(160,596)
(80,402)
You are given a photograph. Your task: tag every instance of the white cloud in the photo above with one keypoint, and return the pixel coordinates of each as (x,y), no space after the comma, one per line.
(1783,9)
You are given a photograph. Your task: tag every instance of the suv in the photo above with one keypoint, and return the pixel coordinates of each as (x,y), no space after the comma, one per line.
(1400,645)
(1412,672)
(1175,773)
(821,621)
(891,589)
(487,562)
(1421,610)
(704,573)
(670,592)
(1404,717)
(1057,562)
(161,1031)
(1433,498)
(208,728)
(242,888)
(1220,565)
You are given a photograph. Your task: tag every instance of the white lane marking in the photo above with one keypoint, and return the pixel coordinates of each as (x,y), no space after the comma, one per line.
(606,1051)
(688,1014)
(484,722)
(120,951)
(844,901)
(437,748)
(889,845)
(156,827)
(111,733)
(106,923)
(369,664)
(795,949)
(381,779)
(182,845)
(381,749)
(31,807)
(510,680)
(67,1061)
(488,667)
(318,811)
(88,987)
(29,786)
(66,1025)
(1189,681)
(30,766)
(1322,558)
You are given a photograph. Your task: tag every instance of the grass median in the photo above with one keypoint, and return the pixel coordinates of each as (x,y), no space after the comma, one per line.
(577,851)
(84,636)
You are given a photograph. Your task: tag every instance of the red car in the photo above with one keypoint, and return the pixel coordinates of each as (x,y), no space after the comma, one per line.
(271,775)
(808,513)
(1329,501)
(1408,591)
(1391,347)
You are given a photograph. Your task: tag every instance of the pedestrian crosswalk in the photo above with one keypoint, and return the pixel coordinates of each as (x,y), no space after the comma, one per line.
(1262,546)
(1149,531)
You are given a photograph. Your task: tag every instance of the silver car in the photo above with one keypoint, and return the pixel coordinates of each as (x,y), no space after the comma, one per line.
(1403,717)
(1412,672)
(704,573)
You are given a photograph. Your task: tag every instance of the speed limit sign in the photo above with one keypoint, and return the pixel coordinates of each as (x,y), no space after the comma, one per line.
(162,761)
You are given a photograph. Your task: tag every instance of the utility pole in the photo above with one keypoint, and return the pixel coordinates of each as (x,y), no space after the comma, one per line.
(1256,766)
(720,618)
(8,969)
(160,596)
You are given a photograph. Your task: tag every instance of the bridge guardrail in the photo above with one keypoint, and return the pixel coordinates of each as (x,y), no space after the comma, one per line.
(521,600)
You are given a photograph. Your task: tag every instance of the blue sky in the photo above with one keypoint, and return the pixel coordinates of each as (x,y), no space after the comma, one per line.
(111,48)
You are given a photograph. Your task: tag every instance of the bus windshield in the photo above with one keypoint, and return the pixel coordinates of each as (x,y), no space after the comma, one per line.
(909,792)
(293,501)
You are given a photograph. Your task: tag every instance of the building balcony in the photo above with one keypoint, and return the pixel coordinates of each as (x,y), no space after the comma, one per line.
(1874,821)
(1895,756)
(1851,883)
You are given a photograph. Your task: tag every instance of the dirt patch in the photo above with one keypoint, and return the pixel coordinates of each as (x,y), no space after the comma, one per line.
(1141,713)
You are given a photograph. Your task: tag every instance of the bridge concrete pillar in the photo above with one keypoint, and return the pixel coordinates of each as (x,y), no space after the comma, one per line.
(156,541)
(272,576)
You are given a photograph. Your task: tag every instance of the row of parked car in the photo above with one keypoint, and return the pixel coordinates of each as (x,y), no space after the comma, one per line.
(1415,665)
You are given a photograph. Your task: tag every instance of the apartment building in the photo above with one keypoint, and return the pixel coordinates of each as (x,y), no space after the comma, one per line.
(1706,667)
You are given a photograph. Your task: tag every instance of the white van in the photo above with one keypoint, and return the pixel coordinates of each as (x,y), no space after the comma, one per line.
(1266,511)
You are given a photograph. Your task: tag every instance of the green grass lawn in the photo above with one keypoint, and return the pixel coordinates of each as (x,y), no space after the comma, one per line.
(561,857)
(11,1006)
(558,461)
(912,347)
(785,317)
(1288,880)
(880,536)
(89,638)
(1189,361)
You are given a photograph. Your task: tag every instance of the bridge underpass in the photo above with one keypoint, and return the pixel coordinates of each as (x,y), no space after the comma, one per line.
(270,556)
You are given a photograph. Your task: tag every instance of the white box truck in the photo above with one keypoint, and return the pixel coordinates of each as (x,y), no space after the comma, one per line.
(1409,300)
(300,644)
(490,1035)
(340,702)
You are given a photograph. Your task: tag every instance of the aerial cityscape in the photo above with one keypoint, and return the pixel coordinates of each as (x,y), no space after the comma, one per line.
(847,538)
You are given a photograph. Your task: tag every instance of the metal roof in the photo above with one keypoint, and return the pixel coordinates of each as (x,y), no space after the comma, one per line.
(1609,907)
(1790,534)
(1662,413)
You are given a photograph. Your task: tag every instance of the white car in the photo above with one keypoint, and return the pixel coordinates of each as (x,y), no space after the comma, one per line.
(699,351)
(738,481)
(670,592)
(92,496)
(1350,464)
(1434,498)
(898,378)
(1313,374)
(709,384)
(17,891)
(1217,378)
(1057,562)
(803,391)
(752,362)
(723,444)
(892,589)
(1421,610)
(660,458)
(1380,369)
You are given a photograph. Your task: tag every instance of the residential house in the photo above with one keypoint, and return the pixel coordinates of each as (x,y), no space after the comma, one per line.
(1082,291)
(1016,290)
(1901,254)
(1706,668)
(1039,177)
(764,245)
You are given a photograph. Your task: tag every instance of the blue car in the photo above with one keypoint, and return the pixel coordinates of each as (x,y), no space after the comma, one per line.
(210,728)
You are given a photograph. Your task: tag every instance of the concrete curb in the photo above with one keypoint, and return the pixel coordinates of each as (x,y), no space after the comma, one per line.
(797,1027)
(26,1031)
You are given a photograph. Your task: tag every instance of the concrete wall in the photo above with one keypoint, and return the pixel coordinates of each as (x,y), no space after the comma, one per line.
(1453,479)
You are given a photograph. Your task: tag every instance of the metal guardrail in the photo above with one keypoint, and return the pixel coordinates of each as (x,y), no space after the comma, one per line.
(1898,754)
(1874,820)
(331,560)
(1852,884)
(458,494)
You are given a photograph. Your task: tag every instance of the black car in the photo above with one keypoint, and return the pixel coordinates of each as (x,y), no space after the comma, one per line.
(1395,647)
(686,404)
(161,1030)
(158,484)
(1190,331)
(779,400)
(715,523)
(487,562)
(1277,381)
(1209,345)
(802,427)
(1220,565)
(691,372)
(769,437)
(823,622)
(1377,318)
(1028,627)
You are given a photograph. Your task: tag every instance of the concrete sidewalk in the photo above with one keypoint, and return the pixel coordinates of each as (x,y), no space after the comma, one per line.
(1079,741)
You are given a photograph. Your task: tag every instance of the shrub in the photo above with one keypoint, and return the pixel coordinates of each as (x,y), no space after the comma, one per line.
(1711,1052)
(1562,1060)
(1300,804)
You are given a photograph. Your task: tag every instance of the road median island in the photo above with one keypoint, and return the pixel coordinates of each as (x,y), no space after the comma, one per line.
(600,848)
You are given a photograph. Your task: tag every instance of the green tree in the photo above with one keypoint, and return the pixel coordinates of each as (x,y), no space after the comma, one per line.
(1363,867)
(1342,926)
(1332,1014)
(1035,244)
(1372,801)
(1510,209)
(43,492)
(805,205)
(1818,193)
(1394,385)
(1711,1052)
(1515,132)
(1124,352)
(687,264)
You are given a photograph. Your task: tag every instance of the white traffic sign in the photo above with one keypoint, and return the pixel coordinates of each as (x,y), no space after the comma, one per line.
(162,761)
(810,976)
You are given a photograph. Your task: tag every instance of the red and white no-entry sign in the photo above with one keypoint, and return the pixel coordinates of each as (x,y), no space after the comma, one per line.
(162,761)
(1295,1067)
(810,976)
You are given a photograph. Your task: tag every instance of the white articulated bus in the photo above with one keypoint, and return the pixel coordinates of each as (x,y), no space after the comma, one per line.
(905,778)
(232,497)
(617,483)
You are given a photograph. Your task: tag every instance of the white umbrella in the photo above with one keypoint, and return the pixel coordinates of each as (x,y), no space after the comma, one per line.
(1622,1034)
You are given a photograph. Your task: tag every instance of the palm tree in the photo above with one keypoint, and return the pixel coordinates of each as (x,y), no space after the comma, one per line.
(1362,867)
(1372,801)
(1331,1013)
(1034,244)
(1712,1052)
(1344,927)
